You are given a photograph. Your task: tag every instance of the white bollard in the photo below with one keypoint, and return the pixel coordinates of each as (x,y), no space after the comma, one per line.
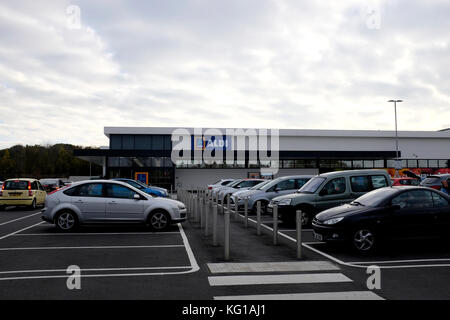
(258,218)
(299,233)
(246,212)
(226,218)
(275,225)
(215,224)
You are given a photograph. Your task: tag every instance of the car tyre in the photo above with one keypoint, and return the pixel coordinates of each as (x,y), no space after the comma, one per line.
(364,240)
(66,221)
(33,205)
(158,220)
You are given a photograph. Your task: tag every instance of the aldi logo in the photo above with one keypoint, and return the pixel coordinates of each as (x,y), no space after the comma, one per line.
(212,143)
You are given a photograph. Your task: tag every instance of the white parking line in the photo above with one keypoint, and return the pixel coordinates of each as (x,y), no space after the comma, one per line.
(92,247)
(192,268)
(397,261)
(290,266)
(93,234)
(13,233)
(345,295)
(11,221)
(277,279)
(94,269)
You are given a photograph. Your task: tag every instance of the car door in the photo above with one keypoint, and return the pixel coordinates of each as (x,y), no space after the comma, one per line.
(89,199)
(332,194)
(442,207)
(415,215)
(40,193)
(121,204)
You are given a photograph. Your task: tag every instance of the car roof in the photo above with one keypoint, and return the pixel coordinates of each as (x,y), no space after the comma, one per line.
(346,172)
(21,179)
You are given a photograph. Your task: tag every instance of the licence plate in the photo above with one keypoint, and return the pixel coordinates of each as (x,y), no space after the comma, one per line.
(318,236)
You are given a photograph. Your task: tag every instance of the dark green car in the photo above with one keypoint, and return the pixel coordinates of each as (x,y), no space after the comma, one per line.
(326,191)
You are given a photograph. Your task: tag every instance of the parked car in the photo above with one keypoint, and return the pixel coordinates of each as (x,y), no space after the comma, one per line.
(386,213)
(241,194)
(405,181)
(151,190)
(22,192)
(245,184)
(110,201)
(435,181)
(220,183)
(328,190)
(274,188)
(52,184)
(217,189)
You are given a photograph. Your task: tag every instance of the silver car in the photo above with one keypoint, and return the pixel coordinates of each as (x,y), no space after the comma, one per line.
(268,191)
(245,184)
(108,201)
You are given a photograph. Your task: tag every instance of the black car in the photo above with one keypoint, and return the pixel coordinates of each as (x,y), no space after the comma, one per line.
(386,213)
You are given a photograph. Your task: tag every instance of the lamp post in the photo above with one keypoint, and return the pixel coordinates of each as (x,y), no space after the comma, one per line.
(396,137)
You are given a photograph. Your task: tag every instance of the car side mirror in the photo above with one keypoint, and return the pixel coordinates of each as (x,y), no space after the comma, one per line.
(323,192)
(137,197)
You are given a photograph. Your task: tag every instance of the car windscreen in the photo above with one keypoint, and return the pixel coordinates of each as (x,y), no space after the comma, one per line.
(270,184)
(48,182)
(312,185)
(234,183)
(375,198)
(16,185)
(135,184)
(432,180)
(260,185)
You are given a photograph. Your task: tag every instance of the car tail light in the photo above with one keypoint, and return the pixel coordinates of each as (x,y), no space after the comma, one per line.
(30,193)
(3,188)
(436,187)
(209,188)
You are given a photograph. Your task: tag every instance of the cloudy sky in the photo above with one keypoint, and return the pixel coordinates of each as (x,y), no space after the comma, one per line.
(220,63)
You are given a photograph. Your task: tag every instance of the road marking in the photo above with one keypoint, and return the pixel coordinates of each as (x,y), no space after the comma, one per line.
(190,254)
(345,295)
(298,266)
(94,234)
(94,269)
(277,279)
(11,221)
(397,261)
(13,233)
(93,247)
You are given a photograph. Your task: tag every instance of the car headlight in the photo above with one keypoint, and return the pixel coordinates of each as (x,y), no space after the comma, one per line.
(333,221)
(284,202)
(181,206)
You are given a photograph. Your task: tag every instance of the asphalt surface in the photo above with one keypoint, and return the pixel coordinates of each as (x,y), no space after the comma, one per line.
(123,262)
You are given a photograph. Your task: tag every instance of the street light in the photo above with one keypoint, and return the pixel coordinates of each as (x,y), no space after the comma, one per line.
(396,136)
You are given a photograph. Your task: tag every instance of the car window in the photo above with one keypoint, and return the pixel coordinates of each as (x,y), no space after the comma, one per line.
(335,186)
(439,201)
(86,190)
(360,184)
(312,185)
(288,184)
(378,182)
(135,184)
(300,182)
(118,191)
(414,199)
(34,185)
(16,185)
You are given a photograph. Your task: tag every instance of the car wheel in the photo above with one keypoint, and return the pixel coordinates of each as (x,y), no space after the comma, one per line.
(363,240)
(33,205)
(66,221)
(158,220)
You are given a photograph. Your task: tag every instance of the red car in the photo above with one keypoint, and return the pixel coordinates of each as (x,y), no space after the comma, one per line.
(405,181)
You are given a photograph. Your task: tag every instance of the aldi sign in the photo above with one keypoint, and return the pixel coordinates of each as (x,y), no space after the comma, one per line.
(212,143)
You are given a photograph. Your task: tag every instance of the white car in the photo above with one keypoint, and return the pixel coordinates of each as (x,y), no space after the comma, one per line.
(245,184)
(220,183)
(108,201)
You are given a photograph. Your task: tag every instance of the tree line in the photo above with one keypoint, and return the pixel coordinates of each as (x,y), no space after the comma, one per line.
(55,161)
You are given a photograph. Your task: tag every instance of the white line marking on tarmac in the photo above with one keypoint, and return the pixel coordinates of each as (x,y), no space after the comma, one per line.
(92,247)
(11,221)
(277,279)
(190,254)
(397,261)
(299,266)
(345,295)
(13,233)
(95,234)
(94,269)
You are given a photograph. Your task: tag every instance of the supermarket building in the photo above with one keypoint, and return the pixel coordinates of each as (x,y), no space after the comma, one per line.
(152,153)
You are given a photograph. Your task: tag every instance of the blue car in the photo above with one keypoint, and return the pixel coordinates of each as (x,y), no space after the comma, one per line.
(151,190)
